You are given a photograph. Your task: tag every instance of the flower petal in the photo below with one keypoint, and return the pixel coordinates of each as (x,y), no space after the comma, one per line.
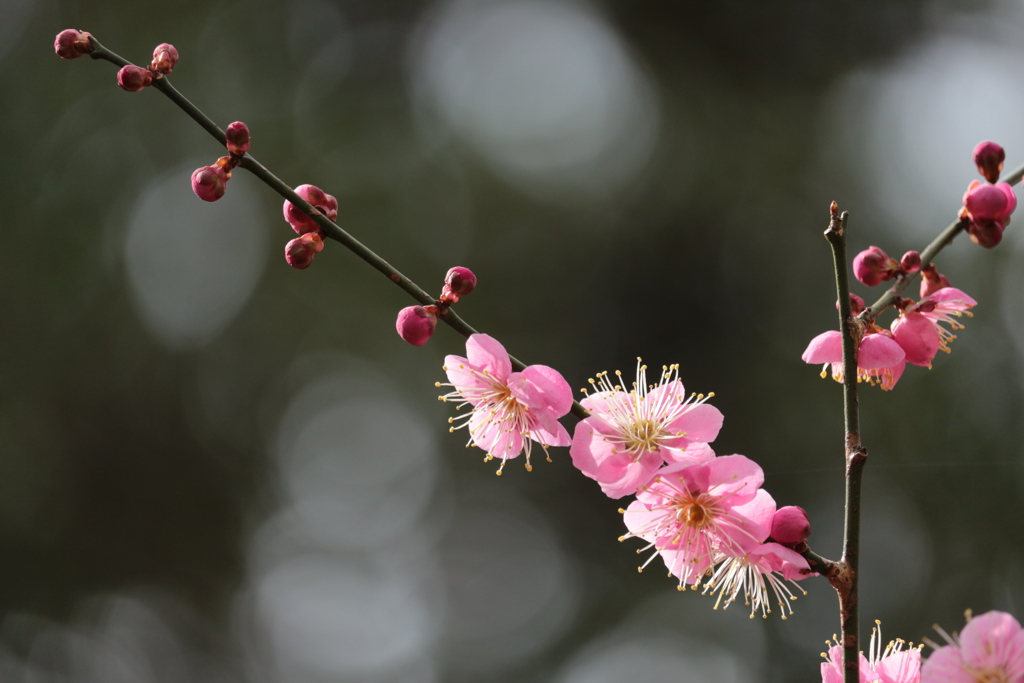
(486,353)
(879,351)
(552,386)
(918,338)
(945,665)
(827,347)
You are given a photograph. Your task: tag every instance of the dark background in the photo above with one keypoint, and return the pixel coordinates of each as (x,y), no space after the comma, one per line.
(214,467)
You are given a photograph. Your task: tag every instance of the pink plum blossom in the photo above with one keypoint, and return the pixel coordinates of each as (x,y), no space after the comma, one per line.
(919,329)
(880,360)
(631,433)
(790,525)
(873,266)
(988,207)
(510,410)
(897,663)
(415,324)
(763,568)
(990,649)
(693,514)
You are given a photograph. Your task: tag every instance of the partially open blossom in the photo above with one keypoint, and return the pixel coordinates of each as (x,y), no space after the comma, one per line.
(988,208)
(415,324)
(209,182)
(764,571)
(508,410)
(989,157)
(300,251)
(632,432)
(932,280)
(911,262)
(692,514)
(880,360)
(873,266)
(72,43)
(237,135)
(897,663)
(165,56)
(790,525)
(990,649)
(321,201)
(919,329)
(134,78)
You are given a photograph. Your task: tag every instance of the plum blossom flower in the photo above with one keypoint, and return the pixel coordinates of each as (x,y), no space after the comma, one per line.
(919,329)
(510,410)
(693,514)
(768,566)
(990,649)
(880,360)
(989,208)
(631,433)
(894,664)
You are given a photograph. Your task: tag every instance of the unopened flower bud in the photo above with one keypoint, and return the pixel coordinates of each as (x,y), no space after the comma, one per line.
(72,43)
(857,305)
(237,135)
(932,280)
(989,157)
(209,182)
(415,324)
(986,202)
(987,234)
(300,251)
(790,525)
(133,78)
(873,266)
(165,56)
(460,280)
(911,262)
(323,202)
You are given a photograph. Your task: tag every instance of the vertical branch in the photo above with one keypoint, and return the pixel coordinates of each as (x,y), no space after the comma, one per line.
(845,579)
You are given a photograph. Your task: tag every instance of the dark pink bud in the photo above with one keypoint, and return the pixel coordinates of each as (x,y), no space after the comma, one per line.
(911,262)
(164,58)
(989,158)
(208,183)
(133,78)
(987,234)
(932,280)
(300,251)
(72,43)
(985,202)
(790,525)
(857,305)
(237,135)
(415,324)
(323,202)
(460,280)
(873,266)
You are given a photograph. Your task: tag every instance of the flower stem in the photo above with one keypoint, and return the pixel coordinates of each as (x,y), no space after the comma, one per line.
(844,575)
(329,228)
(945,238)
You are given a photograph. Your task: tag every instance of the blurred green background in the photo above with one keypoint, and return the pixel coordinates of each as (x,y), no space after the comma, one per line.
(214,467)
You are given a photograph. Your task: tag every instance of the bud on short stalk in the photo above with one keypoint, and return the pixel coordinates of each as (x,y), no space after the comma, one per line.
(415,324)
(72,44)
(165,56)
(300,251)
(932,281)
(237,135)
(873,266)
(790,526)
(133,78)
(989,157)
(209,182)
(320,200)
(911,262)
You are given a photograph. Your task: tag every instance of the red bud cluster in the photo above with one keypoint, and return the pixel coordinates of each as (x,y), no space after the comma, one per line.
(416,324)
(300,251)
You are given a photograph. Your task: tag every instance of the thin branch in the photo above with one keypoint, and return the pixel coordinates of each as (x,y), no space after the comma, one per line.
(330,229)
(844,579)
(944,239)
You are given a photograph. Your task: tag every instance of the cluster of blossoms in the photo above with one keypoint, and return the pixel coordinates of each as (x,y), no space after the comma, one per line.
(896,663)
(706,516)
(925,327)
(990,649)
(416,324)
